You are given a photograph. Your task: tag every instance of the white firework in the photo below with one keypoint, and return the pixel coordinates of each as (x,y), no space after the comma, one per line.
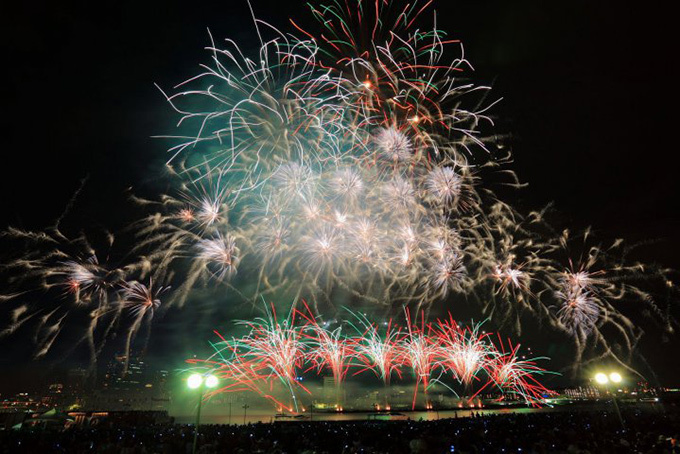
(221,254)
(311,211)
(322,248)
(84,279)
(209,211)
(577,281)
(398,194)
(510,278)
(340,219)
(141,299)
(578,312)
(407,234)
(444,185)
(365,230)
(294,181)
(346,184)
(365,242)
(78,277)
(448,273)
(442,241)
(272,239)
(404,256)
(393,145)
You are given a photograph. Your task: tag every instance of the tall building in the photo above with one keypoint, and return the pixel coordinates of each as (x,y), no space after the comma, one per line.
(120,378)
(135,387)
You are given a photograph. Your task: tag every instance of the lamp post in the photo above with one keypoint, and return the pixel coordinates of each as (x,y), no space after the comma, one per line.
(604,380)
(200,382)
(230,409)
(245,409)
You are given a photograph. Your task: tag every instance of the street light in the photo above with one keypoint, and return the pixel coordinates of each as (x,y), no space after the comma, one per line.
(211,381)
(604,380)
(601,378)
(200,382)
(245,409)
(194,381)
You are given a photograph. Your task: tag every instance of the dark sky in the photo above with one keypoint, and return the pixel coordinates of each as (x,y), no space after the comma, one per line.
(588,90)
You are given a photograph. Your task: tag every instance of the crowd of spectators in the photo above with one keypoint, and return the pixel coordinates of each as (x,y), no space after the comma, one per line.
(546,432)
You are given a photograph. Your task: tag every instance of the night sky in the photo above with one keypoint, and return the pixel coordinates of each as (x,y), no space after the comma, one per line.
(587,88)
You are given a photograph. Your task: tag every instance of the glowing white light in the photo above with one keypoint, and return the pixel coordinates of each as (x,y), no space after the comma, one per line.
(194,381)
(615,377)
(211,381)
(601,378)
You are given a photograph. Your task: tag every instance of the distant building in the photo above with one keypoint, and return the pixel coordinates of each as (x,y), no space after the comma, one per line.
(582,392)
(55,395)
(135,387)
(76,380)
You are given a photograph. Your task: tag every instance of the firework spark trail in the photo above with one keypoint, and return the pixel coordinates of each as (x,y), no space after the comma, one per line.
(420,352)
(275,352)
(236,372)
(69,278)
(517,376)
(464,351)
(278,347)
(68,269)
(326,348)
(141,301)
(377,352)
(587,280)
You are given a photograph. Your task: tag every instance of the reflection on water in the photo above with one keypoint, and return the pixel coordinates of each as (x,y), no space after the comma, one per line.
(267,417)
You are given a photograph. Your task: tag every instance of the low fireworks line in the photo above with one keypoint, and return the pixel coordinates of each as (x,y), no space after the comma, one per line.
(281,351)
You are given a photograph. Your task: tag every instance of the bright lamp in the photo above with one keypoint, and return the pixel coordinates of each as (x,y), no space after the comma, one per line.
(601,378)
(211,381)
(194,381)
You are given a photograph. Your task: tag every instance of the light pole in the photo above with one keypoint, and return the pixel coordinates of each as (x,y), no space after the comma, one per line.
(200,382)
(230,409)
(245,409)
(604,380)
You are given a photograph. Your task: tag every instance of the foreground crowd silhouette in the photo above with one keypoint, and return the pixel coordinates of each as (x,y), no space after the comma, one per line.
(549,432)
